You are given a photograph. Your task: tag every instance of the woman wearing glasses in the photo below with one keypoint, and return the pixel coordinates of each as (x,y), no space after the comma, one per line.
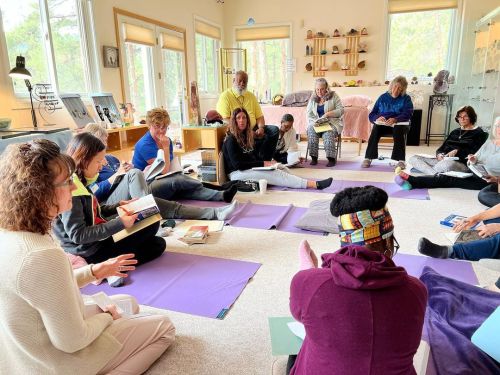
(355,305)
(240,158)
(487,157)
(176,186)
(46,328)
(452,154)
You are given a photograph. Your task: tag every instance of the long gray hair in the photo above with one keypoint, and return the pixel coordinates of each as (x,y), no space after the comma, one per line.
(401,81)
(329,93)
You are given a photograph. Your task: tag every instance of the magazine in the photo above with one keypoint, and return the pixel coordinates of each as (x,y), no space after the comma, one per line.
(148,213)
(466,235)
(478,169)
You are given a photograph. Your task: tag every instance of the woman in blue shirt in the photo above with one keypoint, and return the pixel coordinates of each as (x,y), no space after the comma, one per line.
(391,109)
(174,186)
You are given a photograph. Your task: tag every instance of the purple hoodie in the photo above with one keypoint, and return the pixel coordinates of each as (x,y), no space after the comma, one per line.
(362,314)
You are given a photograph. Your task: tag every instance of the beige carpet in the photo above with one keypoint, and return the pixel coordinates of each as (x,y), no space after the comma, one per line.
(240,343)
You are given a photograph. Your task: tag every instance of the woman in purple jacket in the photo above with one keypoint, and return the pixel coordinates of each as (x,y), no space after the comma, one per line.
(362,313)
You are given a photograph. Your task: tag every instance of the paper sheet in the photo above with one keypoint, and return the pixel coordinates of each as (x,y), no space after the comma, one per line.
(297,329)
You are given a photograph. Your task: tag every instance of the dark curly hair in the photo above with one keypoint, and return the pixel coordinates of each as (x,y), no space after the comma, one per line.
(27,173)
(358,199)
(82,148)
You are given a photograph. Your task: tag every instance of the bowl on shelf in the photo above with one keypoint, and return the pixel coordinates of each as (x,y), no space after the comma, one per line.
(5,123)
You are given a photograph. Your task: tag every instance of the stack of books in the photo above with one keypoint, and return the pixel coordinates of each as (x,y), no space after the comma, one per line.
(196,234)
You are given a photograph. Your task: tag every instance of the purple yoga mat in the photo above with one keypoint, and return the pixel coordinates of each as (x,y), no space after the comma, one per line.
(345,165)
(455,269)
(192,284)
(262,216)
(392,189)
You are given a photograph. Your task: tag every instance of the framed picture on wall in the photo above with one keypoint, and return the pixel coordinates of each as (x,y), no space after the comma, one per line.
(110,57)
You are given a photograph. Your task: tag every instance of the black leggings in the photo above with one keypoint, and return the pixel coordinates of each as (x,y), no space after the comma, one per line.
(144,244)
(443,181)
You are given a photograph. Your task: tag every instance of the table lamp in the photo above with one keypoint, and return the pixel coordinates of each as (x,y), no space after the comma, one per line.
(21,72)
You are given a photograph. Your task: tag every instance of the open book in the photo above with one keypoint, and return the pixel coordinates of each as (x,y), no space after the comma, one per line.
(466,235)
(478,169)
(157,166)
(148,213)
(395,124)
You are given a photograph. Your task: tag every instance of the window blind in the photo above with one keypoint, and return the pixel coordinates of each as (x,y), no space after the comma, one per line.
(206,29)
(138,34)
(403,6)
(262,33)
(174,41)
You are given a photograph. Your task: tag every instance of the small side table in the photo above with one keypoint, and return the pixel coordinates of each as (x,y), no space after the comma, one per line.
(438,100)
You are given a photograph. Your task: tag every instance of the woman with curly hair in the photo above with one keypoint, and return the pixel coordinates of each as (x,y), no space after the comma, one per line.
(46,328)
(240,157)
(324,104)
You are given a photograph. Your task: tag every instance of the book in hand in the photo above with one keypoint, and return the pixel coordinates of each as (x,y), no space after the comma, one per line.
(478,169)
(196,234)
(154,171)
(148,213)
(468,235)
(395,124)
(175,168)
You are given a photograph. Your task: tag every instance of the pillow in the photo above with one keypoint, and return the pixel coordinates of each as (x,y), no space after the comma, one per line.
(318,218)
(297,99)
(356,101)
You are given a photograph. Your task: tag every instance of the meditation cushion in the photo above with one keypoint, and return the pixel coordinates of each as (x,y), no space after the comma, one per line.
(318,218)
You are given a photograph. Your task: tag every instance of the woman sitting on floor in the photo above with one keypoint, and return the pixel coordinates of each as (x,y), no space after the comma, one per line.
(46,329)
(85,231)
(461,142)
(488,247)
(177,186)
(324,104)
(133,184)
(356,305)
(240,158)
(287,140)
(391,108)
(488,156)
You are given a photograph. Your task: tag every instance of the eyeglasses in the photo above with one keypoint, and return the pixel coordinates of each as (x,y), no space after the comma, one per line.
(68,182)
(396,245)
(463,117)
(160,127)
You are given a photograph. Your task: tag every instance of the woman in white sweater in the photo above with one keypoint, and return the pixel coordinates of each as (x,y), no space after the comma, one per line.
(46,327)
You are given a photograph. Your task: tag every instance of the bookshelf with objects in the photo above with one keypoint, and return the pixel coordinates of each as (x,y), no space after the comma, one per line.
(320,47)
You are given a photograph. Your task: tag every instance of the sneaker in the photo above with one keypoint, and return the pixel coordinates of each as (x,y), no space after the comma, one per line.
(366,163)
(401,165)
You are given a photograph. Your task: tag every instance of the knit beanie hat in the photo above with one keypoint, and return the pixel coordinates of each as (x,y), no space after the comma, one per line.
(365,227)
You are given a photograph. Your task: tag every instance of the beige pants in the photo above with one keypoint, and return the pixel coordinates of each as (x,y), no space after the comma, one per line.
(144,339)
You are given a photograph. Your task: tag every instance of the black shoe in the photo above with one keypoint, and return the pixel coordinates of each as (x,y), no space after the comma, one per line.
(323,184)
(314,160)
(229,194)
(428,248)
(331,162)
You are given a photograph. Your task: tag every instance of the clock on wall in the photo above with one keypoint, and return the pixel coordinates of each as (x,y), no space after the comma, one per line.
(110,57)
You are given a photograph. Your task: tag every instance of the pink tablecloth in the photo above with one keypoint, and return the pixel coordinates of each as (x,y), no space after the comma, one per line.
(356,124)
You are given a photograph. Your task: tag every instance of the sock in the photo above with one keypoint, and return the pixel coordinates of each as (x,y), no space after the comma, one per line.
(405,185)
(398,171)
(229,194)
(428,248)
(307,258)
(225,212)
(115,281)
(323,184)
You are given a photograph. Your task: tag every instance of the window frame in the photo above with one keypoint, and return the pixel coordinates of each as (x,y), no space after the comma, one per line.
(122,16)
(217,46)
(88,45)
(289,80)
(453,42)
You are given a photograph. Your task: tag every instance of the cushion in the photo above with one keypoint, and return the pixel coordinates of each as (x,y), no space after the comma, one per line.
(297,98)
(318,218)
(356,101)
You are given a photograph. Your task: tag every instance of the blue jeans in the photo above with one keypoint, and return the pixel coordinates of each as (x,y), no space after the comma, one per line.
(179,186)
(266,146)
(475,250)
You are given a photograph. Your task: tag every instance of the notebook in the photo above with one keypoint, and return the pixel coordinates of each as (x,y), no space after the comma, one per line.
(486,336)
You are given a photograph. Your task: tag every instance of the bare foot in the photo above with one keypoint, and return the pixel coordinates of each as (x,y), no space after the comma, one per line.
(306,256)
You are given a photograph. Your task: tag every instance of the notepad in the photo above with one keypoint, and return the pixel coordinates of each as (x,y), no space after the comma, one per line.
(486,336)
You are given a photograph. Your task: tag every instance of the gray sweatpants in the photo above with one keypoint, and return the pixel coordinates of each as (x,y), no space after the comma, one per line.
(278,177)
(432,166)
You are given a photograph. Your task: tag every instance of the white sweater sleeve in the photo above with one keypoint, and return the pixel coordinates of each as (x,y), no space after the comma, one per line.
(47,283)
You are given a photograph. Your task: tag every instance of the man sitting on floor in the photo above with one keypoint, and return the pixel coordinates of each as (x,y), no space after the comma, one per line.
(266,136)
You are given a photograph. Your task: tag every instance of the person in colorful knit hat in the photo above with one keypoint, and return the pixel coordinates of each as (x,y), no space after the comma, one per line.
(355,306)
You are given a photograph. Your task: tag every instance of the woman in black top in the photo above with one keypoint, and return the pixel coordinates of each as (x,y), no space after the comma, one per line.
(240,157)
(452,154)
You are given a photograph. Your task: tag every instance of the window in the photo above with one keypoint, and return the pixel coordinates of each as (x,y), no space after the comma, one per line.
(419,41)
(154,72)
(51,35)
(268,49)
(207,43)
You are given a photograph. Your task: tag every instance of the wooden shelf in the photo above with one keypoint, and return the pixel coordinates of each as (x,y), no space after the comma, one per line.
(125,137)
(339,37)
